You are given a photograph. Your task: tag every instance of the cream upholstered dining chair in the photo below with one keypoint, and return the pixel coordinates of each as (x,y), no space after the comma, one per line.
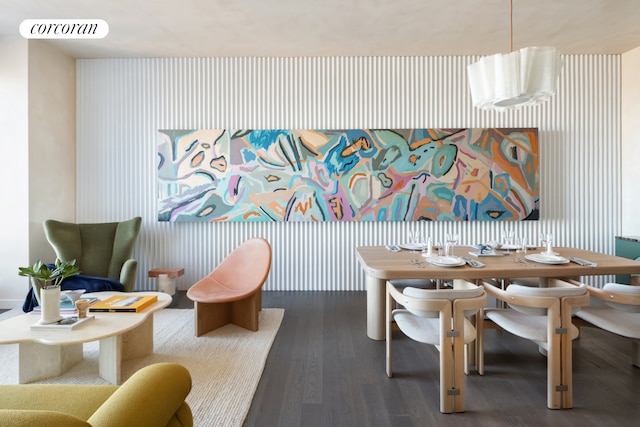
(438,317)
(542,315)
(615,308)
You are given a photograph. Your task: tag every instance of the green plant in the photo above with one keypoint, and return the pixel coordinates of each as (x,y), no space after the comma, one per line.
(47,277)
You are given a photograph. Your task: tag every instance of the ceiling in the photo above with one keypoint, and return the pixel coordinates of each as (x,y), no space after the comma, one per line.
(308,28)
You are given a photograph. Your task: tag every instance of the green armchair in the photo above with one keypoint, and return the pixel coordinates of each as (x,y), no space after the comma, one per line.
(152,397)
(100,250)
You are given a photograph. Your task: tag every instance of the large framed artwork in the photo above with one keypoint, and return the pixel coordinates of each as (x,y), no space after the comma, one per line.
(472,174)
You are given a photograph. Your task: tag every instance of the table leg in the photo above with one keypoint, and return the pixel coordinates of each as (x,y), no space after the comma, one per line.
(376,297)
(138,342)
(113,350)
(110,359)
(39,361)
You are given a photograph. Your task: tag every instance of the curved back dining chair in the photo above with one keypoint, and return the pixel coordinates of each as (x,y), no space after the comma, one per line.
(616,309)
(232,292)
(542,315)
(438,317)
(100,249)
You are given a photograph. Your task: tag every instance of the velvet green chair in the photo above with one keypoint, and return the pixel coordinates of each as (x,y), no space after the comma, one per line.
(100,250)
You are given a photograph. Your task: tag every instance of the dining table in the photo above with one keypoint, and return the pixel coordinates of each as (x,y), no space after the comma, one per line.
(380,265)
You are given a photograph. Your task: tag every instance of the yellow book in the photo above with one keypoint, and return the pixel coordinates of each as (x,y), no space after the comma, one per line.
(123,304)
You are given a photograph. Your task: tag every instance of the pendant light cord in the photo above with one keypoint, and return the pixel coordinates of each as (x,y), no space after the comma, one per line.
(511,25)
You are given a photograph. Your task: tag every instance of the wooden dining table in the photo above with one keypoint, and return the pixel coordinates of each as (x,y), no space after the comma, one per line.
(380,265)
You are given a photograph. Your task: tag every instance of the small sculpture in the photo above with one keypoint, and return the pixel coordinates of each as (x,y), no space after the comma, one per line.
(82,306)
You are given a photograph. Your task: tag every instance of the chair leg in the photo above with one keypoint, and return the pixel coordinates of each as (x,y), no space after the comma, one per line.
(480,343)
(469,355)
(389,303)
(635,352)
(244,313)
(446,378)
(554,373)
(566,352)
(459,380)
(210,316)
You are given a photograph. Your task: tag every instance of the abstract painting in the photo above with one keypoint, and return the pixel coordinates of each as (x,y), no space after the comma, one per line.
(466,174)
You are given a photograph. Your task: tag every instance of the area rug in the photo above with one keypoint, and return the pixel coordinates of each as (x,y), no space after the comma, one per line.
(225,365)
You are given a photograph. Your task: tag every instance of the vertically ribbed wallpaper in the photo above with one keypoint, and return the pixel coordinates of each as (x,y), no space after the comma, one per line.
(121,103)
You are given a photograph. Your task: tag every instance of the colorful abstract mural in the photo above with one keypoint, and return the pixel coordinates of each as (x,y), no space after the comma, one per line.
(348,175)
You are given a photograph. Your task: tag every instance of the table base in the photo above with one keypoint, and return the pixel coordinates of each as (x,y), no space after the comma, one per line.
(40,361)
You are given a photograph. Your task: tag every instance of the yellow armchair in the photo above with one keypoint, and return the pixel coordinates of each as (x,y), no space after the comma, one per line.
(154,396)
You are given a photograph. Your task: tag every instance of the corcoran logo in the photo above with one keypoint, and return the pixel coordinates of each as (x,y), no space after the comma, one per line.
(64,28)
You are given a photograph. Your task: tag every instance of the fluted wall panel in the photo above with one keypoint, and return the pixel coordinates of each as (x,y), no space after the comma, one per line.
(123,102)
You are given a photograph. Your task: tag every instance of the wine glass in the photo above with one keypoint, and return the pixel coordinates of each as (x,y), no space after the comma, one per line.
(427,245)
(522,246)
(414,240)
(546,240)
(452,240)
(507,239)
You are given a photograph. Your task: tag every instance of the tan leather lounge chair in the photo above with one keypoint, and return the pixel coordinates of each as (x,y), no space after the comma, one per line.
(232,292)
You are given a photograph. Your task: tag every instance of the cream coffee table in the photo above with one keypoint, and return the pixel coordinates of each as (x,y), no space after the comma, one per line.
(49,353)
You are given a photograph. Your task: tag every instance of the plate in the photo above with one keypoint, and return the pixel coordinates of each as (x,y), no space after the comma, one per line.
(508,247)
(445,261)
(547,259)
(515,247)
(412,246)
(488,253)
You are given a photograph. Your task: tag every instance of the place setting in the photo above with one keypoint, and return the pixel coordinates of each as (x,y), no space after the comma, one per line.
(507,245)
(415,242)
(549,256)
(444,255)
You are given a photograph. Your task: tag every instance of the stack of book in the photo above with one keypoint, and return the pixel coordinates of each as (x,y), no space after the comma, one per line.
(67,306)
(123,304)
(70,322)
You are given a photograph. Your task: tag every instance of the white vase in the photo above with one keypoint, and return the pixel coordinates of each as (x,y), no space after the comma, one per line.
(50,305)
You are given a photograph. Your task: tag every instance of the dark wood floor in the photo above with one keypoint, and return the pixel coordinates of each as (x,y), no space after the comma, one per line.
(323,371)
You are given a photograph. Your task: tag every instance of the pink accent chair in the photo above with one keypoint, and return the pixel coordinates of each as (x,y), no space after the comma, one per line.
(232,292)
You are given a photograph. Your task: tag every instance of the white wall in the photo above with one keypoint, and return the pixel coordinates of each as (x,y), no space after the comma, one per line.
(122,102)
(52,143)
(630,161)
(14,227)
(37,110)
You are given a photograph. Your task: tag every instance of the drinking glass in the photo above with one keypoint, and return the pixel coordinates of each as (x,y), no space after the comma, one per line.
(546,240)
(427,245)
(452,240)
(507,237)
(522,246)
(414,240)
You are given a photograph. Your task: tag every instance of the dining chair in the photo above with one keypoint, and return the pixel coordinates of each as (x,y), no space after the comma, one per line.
(542,315)
(438,317)
(615,308)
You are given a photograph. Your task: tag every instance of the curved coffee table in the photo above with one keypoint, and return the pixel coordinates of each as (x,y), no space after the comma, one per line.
(49,353)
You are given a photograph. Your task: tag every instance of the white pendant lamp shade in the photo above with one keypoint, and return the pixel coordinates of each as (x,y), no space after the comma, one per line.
(524,77)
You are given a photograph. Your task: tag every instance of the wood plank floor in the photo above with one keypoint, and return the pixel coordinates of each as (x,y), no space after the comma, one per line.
(323,371)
